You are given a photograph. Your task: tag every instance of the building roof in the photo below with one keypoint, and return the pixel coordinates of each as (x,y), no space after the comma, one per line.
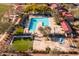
(65,26)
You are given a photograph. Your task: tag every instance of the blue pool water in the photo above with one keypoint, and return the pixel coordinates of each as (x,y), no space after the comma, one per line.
(34,22)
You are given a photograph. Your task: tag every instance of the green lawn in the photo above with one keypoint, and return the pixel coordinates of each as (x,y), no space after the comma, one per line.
(22,45)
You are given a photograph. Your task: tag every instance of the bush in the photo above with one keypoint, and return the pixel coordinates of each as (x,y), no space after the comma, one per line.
(36,51)
(19,30)
(48,49)
(56,51)
(73,52)
(37,8)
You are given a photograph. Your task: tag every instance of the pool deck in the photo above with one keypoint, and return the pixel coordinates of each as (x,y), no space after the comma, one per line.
(55,28)
(41,43)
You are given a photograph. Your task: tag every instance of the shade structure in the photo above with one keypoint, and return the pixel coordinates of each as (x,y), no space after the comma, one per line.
(66,26)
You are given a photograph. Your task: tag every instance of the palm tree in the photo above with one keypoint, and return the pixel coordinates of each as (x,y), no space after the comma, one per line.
(45,31)
(56,16)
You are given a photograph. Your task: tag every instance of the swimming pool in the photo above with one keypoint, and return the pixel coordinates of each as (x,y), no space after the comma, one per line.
(34,22)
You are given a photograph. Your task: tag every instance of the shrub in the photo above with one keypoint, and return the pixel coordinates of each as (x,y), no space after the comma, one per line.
(37,51)
(48,49)
(19,30)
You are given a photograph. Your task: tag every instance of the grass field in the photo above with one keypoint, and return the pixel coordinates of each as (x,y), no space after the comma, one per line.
(22,45)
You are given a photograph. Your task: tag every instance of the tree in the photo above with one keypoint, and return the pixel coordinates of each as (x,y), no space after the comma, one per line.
(37,8)
(68,5)
(45,31)
(56,15)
